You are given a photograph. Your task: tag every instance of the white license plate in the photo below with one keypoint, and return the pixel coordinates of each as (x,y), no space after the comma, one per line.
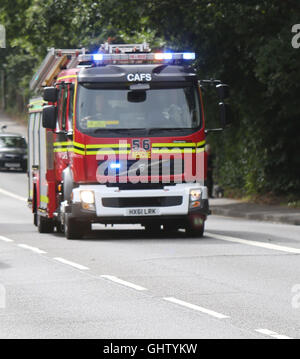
(12,165)
(143,212)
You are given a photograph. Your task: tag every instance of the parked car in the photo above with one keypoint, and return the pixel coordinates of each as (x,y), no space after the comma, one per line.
(13,151)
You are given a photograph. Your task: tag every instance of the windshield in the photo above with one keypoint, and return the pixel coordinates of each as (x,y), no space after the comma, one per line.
(155,108)
(12,142)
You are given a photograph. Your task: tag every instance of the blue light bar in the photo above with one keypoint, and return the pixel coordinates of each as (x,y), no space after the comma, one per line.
(98,57)
(131,58)
(189,56)
(115,165)
(163,56)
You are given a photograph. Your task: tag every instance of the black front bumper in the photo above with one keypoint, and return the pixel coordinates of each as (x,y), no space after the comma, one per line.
(76,211)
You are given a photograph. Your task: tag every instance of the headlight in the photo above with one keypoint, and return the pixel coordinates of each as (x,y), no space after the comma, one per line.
(195,195)
(87,197)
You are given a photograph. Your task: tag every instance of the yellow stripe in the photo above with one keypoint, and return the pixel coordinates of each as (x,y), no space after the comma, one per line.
(179,144)
(57,144)
(114,145)
(60,150)
(67,77)
(44,199)
(37,101)
(198,150)
(173,144)
(100,152)
(78,144)
(202,143)
(79,152)
(174,150)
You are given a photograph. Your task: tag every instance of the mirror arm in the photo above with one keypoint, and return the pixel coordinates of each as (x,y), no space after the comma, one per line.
(210,130)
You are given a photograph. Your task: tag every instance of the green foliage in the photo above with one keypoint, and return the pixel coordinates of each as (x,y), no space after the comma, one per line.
(245,44)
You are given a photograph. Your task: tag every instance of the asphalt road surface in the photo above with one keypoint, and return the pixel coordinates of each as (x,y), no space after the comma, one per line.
(242,280)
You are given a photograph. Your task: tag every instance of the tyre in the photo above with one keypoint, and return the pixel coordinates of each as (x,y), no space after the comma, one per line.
(44,224)
(59,227)
(195,232)
(195,226)
(35,219)
(74,229)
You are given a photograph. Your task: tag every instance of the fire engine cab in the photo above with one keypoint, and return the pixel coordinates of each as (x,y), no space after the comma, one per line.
(118,137)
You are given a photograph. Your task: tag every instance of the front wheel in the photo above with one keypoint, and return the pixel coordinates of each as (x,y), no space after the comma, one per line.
(195,226)
(195,232)
(75,229)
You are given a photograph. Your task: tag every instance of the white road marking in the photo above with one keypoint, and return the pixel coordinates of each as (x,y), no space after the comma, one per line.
(33,249)
(272,334)
(4,239)
(72,264)
(254,243)
(123,282)
(15,196)
(197,308)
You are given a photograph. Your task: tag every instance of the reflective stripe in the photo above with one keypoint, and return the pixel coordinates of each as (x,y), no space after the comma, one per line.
(113,145)
(56,150)
(101,152)
(79,152)
(174,150)
(78,145)
(179,144)
(62,143)
(200,144)
(67,77)
(44,199)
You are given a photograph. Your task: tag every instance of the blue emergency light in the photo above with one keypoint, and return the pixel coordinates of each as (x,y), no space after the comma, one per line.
(189,56)
(97,57)
(163,56)
(115,165)
(157,57)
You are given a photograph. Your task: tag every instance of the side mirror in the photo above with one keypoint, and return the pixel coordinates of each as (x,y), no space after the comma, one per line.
(225,114)
(49,117)
(50,94)
(223,91)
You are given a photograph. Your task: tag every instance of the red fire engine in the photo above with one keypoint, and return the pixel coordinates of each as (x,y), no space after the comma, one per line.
(118,137)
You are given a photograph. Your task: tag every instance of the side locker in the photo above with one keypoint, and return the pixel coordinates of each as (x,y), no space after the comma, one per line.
(30,156)
(43,184)
(35,158)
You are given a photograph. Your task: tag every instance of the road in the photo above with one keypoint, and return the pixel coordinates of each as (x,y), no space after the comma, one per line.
(236,282)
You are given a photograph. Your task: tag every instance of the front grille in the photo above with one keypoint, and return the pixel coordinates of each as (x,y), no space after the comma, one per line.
(12,157)
(142,202)
(141,186)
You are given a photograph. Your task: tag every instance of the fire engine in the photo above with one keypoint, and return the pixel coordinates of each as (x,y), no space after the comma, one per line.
(118,137)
